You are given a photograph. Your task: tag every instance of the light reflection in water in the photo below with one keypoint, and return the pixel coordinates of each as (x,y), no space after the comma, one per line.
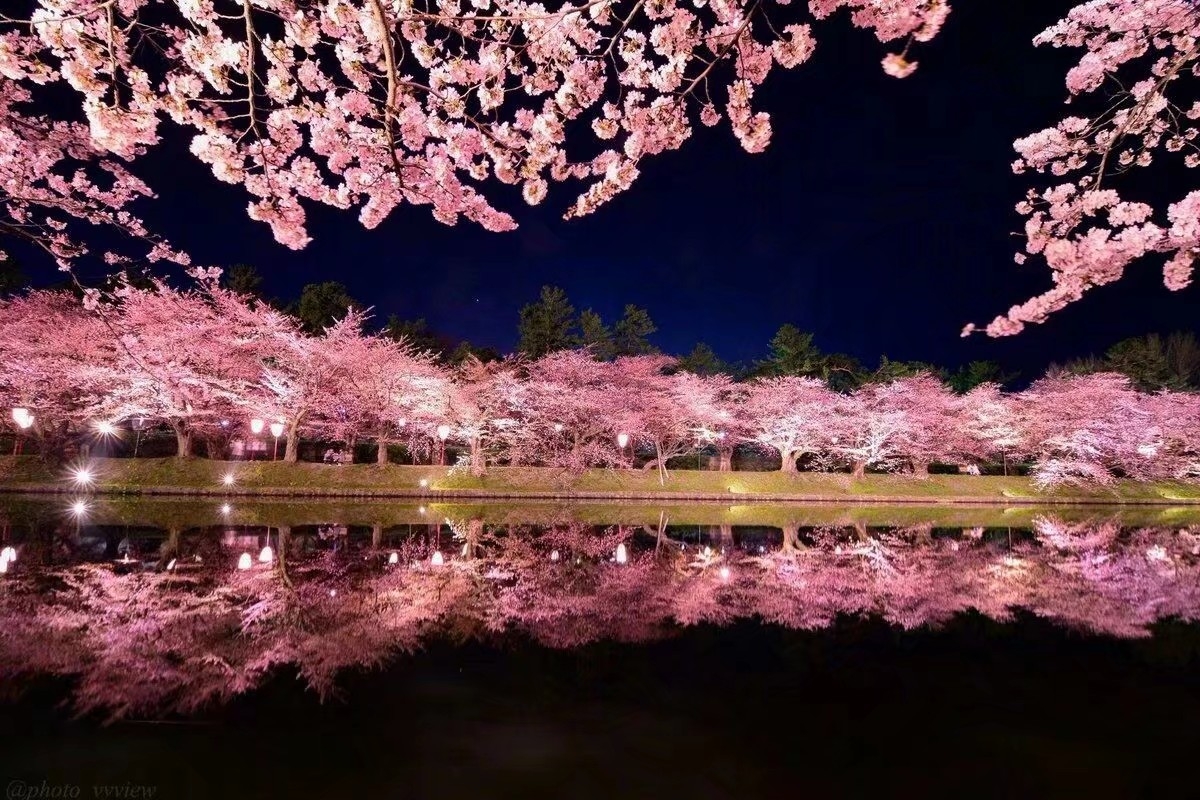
(200,623)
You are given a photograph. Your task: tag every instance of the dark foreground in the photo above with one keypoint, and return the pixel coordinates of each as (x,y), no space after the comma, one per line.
(974,709)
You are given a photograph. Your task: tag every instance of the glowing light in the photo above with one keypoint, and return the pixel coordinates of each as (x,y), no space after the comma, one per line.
(228,479)
(724,573)
(226,508)
(400,423)
(79,508)
(437,559)
(622,554)
(277,429)
(9,553)
(224,423)
(171,565)
(245,562)
(256,426)
(622,440)
(333,592)
(420,509)
(24,423)
(558,427)
(3,567)
(443,432)
(554,555)
(20,414)
(424,483)
(266,555)
(81,476)
(106,428)
(394,558)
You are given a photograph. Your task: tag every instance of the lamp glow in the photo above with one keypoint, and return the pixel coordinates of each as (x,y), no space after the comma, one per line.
(622,439)
(82,476)
(400,423)
(277,429)
(443,432)
(226,508)
(622,554)
(228,479)
(424,483)
(19,414)
(9,553)
(394,558)
(558,427)
(245,562)
(25,423)
(420,509)
(106,428)
(437,560)
(3,567)
(554,555)
(266,555)
(171,565)
(79,508)
(256,426)
(724,573)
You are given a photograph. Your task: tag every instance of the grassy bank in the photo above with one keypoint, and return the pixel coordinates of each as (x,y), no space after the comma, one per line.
(278,479)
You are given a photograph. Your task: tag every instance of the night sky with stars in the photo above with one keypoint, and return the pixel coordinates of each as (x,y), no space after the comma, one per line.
(881,219)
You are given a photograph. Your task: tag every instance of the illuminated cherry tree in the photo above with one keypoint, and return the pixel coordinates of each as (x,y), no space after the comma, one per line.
(792,417)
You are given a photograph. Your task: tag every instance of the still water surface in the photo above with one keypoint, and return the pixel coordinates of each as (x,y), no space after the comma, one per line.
(207,648)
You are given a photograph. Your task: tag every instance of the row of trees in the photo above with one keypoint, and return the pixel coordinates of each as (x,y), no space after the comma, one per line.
(550,324)
(206,360)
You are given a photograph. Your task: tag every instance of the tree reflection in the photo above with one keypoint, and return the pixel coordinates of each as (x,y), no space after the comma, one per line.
(173,626)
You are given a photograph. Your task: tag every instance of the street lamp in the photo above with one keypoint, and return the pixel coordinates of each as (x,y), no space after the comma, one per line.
(138,424)
(443,432)
(24,421)
(256,427)
(276,431)
(623,442)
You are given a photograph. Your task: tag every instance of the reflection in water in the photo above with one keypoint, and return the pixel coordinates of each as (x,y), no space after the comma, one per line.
(154,621)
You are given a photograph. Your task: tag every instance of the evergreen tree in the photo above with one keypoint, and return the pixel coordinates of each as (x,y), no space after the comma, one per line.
(630,332)
(546,325)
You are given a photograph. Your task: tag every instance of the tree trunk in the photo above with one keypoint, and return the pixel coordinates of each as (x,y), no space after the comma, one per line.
(183,442)
(791,540)
(725,459)
(376,535)
(291,452)
(478,462)
(381,452)
(859,469)
(920,469)
(788,462)
(662,464)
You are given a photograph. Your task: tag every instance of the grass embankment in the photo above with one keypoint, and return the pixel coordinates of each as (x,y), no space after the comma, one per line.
(170,476)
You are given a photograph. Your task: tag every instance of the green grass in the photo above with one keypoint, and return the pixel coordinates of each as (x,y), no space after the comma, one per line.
(267,478)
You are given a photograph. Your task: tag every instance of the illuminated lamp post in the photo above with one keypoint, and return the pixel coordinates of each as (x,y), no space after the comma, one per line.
(256,427)
(443,433)
(276,431)
(24,421)
(138,424)
(623,442)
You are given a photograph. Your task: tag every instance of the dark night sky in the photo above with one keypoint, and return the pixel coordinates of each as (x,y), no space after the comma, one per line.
(880,219)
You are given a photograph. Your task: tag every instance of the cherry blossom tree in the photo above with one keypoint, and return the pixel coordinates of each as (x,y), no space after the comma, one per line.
(55,360)
(1139,68)
(186,358)
(933,431)
(1088,428)
(716,406)
(372,104)
(570,397)
(869,426)
(993,420)
(651,411)
(791,416)
(486,405)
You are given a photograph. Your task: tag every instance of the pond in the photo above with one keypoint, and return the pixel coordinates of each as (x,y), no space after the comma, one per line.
(201,647)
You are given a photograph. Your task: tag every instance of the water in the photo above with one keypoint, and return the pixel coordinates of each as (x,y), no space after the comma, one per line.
(732,651)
